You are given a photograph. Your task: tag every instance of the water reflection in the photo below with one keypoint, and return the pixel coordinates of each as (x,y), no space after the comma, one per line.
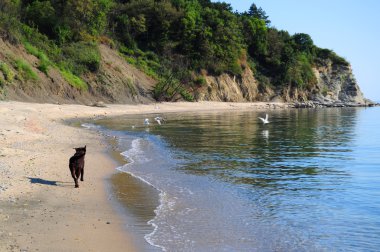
(236,147)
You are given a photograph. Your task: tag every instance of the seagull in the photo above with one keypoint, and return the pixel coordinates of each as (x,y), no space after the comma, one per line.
(158,119)
(146,121)
(264,120)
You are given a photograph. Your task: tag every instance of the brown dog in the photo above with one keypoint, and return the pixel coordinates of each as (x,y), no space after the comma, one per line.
(76,164)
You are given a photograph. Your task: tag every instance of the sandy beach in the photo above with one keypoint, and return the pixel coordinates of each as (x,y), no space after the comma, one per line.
(40,210)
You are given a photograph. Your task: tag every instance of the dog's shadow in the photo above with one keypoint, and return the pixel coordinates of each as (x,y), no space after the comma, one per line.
(49,182)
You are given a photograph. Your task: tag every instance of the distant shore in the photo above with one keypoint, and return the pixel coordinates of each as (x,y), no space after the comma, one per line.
(39,207)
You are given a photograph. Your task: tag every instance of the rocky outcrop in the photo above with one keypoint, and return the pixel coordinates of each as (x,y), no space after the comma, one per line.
(227,88)
(336,83)
(336,86)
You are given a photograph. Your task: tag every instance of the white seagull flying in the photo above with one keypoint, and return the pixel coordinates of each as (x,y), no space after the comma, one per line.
(264,120)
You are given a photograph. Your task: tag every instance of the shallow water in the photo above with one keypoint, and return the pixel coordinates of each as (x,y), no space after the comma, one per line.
(307,181)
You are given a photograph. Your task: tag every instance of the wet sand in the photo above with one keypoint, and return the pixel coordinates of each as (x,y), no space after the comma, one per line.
(40,210)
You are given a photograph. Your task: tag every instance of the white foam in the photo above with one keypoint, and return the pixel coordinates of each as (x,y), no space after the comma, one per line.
(90,126)
(157,211)
(132,154)
(135,153)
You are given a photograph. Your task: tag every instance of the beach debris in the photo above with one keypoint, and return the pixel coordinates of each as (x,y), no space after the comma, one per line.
(99,104)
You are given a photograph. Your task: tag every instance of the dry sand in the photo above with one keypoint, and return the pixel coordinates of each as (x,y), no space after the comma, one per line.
(40,210)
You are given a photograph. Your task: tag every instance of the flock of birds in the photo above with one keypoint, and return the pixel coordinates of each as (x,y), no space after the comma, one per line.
(160,119)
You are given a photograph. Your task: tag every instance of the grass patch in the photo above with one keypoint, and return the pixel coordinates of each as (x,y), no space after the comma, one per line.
(74,80)
(25,70)
(44,60)
(200,81)
(7,72)
(148,62)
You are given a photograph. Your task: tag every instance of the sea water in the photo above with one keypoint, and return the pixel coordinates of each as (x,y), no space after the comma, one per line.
(307,181)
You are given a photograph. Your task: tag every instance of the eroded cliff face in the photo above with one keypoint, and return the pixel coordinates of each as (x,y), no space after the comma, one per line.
(336,83)
(233,89)
(116,81)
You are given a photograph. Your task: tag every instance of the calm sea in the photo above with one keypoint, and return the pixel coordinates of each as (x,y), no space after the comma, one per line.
(307,181)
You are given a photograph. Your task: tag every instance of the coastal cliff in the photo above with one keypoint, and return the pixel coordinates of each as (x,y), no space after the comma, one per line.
(337,84)
(152,51)
(334,84)
(116,81)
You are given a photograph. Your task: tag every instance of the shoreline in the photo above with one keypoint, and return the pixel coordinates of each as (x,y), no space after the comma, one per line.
(39,207)
(134,199)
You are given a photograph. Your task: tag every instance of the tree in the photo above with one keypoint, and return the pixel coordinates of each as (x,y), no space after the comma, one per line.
(258,13)
(303,42)
(86,16)
(42,15)
(255,35)
(300,73)
(152,24)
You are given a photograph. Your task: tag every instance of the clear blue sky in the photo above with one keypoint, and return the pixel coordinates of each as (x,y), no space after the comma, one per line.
(351,28)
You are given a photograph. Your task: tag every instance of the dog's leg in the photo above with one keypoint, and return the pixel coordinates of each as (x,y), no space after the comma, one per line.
(77,175)
(72,170)
(81,174)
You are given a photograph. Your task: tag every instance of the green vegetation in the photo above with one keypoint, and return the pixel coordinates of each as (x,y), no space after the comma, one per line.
(44,60)
(148,62)
(170,40)
(80,57)
(8,77)
(25,70)
(7,72)
(74,80)
(200,81)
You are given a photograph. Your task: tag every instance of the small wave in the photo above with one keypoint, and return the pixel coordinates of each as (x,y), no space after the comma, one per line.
(135,153)
(132,155)
(157,211)
(90,126)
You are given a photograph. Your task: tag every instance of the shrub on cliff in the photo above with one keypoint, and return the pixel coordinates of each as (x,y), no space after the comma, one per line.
(80,57)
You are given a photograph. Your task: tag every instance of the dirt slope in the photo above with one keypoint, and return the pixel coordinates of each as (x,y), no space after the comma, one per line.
(115,82)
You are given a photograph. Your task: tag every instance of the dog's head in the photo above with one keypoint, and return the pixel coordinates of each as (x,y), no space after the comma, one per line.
(80,150)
